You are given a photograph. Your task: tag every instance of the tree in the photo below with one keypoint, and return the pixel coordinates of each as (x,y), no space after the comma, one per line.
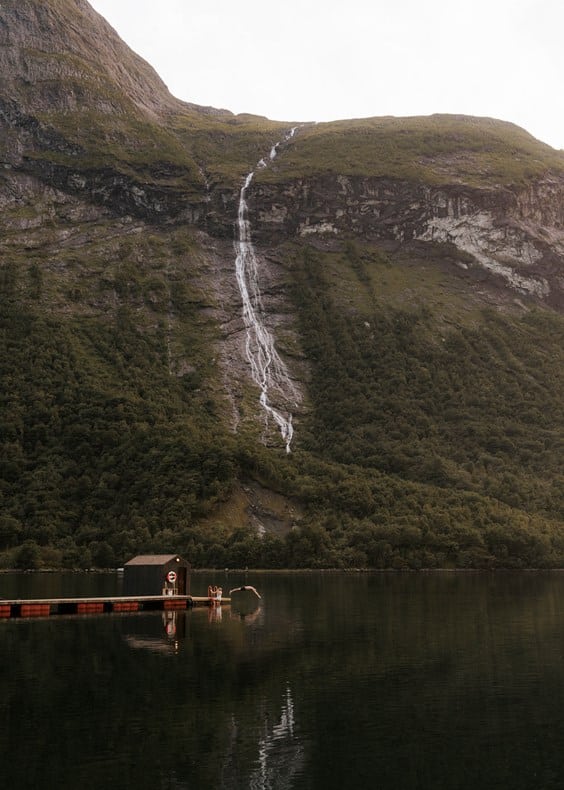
(28,556)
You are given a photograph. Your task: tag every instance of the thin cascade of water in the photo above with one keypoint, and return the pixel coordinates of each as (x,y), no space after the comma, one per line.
(267,369)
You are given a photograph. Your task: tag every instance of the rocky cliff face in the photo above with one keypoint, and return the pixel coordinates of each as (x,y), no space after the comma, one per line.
(84,117)
(515,234)
(66,54)
(82,113)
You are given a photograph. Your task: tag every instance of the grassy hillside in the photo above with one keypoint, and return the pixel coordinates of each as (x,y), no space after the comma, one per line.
(191,149)
(434,149)
(83,102)
(227,147)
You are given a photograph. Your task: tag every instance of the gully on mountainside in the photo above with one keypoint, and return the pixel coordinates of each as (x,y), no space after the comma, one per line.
(268,370)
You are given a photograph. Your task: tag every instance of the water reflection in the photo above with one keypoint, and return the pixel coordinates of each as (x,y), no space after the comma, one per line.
(247,617)
(170,631)
(280,754)
(215,614)
(164,632)
(275,756)
(412,681)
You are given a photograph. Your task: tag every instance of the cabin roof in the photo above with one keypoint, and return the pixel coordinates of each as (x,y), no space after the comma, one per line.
(152,559)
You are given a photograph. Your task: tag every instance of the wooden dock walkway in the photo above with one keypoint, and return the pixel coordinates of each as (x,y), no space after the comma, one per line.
(45,607)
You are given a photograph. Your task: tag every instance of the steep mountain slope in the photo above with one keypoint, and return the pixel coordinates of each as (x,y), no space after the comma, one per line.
(486,187)
(408,270)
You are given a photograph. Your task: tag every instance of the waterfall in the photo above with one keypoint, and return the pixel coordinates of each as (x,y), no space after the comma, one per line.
(268,371)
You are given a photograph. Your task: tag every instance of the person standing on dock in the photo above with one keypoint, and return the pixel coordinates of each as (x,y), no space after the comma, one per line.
(214,594)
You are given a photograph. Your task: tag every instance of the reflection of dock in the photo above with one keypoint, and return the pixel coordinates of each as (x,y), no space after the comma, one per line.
(45,607)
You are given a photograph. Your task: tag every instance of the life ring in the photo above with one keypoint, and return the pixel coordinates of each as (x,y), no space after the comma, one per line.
(171,577)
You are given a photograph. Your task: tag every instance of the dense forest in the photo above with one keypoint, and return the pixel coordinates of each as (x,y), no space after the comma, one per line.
(420,448)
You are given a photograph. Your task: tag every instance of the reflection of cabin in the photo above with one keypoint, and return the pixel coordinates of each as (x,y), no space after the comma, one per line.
(156,574)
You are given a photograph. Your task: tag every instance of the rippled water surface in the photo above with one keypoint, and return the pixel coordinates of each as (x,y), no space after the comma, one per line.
(436,681)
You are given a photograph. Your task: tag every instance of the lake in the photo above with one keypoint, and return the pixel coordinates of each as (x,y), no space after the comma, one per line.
(413,681)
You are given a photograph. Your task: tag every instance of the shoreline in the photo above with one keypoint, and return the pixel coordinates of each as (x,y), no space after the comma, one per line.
(227,571)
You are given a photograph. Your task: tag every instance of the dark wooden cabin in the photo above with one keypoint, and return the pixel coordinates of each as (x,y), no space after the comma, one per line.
(156,574)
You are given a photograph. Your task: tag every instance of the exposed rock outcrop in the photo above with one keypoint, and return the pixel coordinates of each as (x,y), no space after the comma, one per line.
(84,114)
(514,233)
(65,54)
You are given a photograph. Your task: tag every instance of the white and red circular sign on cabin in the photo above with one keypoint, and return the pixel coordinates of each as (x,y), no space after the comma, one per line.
(171,577)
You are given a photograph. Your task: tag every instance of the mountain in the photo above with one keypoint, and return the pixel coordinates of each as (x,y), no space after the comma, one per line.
(268,344)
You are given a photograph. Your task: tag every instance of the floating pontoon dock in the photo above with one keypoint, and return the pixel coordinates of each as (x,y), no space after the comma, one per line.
(45,607)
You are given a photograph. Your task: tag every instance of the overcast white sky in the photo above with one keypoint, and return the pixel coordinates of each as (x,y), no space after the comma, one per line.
(322,60)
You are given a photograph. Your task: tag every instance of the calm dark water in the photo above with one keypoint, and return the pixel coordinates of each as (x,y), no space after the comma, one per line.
(337,681)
